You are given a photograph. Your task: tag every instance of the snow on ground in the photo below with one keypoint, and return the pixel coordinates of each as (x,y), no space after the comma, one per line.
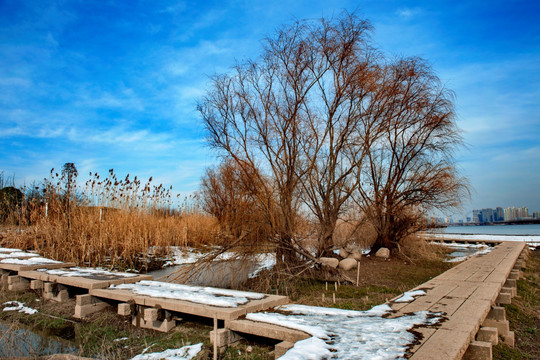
(77,271)
(408,296)
(16,254)
(347,334)
(183,256)
(464,251)
(30,261)
(8,250)
(264,262)
(18,306)
(196,294)
(184,353)
(533,240)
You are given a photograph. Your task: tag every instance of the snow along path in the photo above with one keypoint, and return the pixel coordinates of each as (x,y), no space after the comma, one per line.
(17,254)
(347,334)
(30,261)
(184,353)
(82,272)
(197,294)
(18,306)
(533,240)
(464,251)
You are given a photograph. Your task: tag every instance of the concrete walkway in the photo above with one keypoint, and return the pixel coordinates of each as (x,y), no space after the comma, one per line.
(469,296)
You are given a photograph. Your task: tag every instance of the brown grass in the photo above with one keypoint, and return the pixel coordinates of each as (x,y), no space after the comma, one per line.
(113,223)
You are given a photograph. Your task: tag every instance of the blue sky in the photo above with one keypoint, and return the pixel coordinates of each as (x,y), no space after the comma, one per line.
(114,84)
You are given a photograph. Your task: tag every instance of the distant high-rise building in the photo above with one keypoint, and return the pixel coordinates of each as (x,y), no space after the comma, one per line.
(510,214)
(499,214)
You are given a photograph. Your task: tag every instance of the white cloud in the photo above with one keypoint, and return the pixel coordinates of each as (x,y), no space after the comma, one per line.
(408,13)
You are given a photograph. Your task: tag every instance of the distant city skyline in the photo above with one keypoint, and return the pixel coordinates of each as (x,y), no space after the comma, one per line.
(494,215)
(115,84)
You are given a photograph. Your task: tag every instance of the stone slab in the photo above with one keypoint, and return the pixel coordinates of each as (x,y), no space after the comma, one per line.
(19,268)
(266,330)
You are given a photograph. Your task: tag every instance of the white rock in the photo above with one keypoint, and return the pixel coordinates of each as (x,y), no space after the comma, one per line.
(332,262)
(348,264)
(383,253)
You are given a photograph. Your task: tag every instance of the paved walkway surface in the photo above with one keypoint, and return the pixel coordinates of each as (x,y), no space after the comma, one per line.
(465,295)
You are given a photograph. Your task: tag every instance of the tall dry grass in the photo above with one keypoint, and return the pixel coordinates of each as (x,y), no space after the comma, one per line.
(115,223)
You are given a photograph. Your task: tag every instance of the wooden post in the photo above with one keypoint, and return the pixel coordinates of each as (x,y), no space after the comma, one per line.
(357,273)
(323,297)
(326,283)
(334,297)
(335,285)
(215,337)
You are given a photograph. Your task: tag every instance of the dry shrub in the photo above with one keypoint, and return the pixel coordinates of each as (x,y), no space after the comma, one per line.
(358,232)
(415,247)
(234,195)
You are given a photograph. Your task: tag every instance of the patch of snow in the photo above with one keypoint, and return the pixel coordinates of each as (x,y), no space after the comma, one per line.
(529,239)
(17,254)
(408,296)
(121,339)
(464,251)
(456,259)
(8,250)
(81,272)
(196,294)
(30,261)
(346,334)
(18,306)
(264,262)
(184,353)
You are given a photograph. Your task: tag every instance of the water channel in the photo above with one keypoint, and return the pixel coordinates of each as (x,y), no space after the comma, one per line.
(20,342)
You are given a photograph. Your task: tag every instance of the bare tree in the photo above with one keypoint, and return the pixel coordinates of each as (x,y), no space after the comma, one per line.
(328,123)
(296,115)
(338,120)
(410,168)
(254,116)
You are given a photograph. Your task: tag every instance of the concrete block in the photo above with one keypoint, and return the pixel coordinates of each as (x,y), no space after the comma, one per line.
(36,284)
(162,326)
(82,300)
(504,298)
(497,313)
(503,327)
(281,348)
(509,339)
(124,309)
(488,334)
(150,314)
(508,290)
(63,295)
(48,287)
(82,311)
(224,337)
(17,283)
(514,275)
(478,350)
